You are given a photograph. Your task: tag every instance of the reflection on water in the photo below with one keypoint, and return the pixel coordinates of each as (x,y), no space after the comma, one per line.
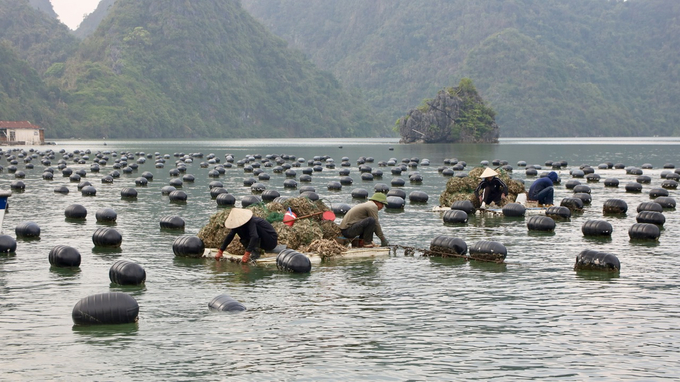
(392,318)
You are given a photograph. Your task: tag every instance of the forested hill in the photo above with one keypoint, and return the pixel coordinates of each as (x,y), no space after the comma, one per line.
(174,69)
(91,21)
(547,67)
(34,35)
(44,6)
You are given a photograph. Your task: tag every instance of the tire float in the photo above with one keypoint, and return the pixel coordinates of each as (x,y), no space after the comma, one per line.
(644,231)
(447,246)
(651,217)
(395,203)
(106,309)
(665,202)
(514,210)
(225,199)
(488,251)
(172,222)
(600,261)
(359,193)
(124,272)
(75,211)
(455,216)
(188,246)
(574,204)
(541,223)
(224,303)
(27,230)
(614,207)
(107,237)
(611,182)
(129,193)
(418,197)
(558,212)
(293,261)
(649,206)
(106,215)
(596,228)
(463,205)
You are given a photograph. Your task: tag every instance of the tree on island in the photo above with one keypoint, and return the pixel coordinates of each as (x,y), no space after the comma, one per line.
(454,115)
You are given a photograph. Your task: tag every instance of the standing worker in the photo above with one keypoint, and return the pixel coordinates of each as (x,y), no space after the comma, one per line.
(491,189)
(362,220)
(255,233)
(542,189)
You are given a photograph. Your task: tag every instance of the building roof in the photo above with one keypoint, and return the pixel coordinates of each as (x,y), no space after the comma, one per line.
(18,125)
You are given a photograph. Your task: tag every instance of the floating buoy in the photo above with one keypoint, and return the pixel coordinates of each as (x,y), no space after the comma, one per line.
(313,196)
(216,191)
(334,186)
(88,191)
(75,211)
(293,261)
(644,231)
(585,197)
(651,217)
(596,228)
(224,303)
(643,179)
(124,272)
(611,182)
(593,178)
(107,237)
(398,182)
(594,260)
(633,187)
(656,192)
(397,192)
(463,205)
(574,204)
(172,222)
(381,187)
(582,189)
(541,223)
(395,203)
(571,183)
(514,210)
(669,184)
(418,197)
(106,309)
(455,216)
(665,201)
(340,208)
(188,246)
(614,206)
(178,196)
(27,230)
(270,195)
(250,199)
(141,181)
(448,246)
(359,193)
(64,256)
(61,189)
(488,251)
(7,244)
(106,215)
(649,206)
(225,199)
(558,212)
(17,185)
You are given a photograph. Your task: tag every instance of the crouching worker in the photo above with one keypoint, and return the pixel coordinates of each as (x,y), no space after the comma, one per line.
(491,189)
(255,234)
(542,189)
(362,220)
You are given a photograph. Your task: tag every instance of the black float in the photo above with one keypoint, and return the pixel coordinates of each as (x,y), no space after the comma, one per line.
(124,272)
(558,212)
(178,196)
(106,309)
(541,223)
(7,244)
(64,256)
(593,260)
(651,217)
(225,199)
(614,207)
(514,210)
(463,205)
(596,228)
(418,197)
(455,216)
(488,251)
(293,261)
(644,231)
(75,211)
(224,303)
(107,237)
(172,222)
(27,230)
(188,246)
(649,206)
(128,193)
(106,215)
(446,246)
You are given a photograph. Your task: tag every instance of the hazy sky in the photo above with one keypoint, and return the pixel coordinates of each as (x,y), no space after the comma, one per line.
(71,12)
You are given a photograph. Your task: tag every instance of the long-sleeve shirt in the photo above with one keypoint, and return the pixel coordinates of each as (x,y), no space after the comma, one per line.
(539,185)
(498,187)
(252,232)
(361,212)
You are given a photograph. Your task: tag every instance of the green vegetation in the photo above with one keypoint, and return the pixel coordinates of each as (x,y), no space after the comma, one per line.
(548,67)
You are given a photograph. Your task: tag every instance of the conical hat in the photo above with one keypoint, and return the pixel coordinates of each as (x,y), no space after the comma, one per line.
(487,173)
(238,217)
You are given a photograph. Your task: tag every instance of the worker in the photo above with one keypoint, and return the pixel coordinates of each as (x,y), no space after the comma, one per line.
(542,189)
(491,189)
(255,233)
(362,220)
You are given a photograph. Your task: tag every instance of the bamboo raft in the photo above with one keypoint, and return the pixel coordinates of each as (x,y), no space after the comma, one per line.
(270,257)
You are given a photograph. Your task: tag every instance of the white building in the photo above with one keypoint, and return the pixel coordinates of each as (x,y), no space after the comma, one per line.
(21,133)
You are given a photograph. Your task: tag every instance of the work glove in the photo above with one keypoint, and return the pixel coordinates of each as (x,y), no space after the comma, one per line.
(246,257)
(219,254)
(384,242)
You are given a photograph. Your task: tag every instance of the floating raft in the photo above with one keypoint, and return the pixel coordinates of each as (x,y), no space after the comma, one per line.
(531,208)
(270,257)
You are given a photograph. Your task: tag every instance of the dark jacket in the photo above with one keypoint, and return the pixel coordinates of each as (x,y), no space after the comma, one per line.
(257,232)
(496,188)
(541,184)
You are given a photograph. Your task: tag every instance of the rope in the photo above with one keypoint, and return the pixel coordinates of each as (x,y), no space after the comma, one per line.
(409,251)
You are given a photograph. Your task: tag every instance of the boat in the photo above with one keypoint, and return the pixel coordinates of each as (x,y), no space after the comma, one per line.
(3,205)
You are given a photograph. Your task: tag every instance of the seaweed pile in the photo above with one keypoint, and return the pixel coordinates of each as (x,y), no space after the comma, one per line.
(311,234)
(463,188)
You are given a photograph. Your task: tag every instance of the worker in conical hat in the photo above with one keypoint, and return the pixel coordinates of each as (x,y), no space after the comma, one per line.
(255,233)
(491,189)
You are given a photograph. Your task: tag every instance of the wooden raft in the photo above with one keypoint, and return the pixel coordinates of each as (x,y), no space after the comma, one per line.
(270,257)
